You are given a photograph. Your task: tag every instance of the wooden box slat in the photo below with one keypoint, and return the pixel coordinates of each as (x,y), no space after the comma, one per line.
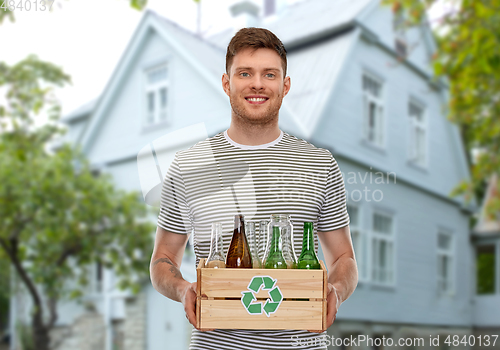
(306,315)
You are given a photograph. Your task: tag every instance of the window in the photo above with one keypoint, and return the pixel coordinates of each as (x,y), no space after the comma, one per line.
(485,269)
(445,262)
(359,242)
(156,95)
(418,144)
(382,249)
(373,110)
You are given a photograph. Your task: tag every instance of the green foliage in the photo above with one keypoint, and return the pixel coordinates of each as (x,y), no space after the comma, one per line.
(468,56)
(58,218)
(4,292)
(25,337)
(485,266)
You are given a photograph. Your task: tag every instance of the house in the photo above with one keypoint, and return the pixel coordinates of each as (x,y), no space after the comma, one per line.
(362,87)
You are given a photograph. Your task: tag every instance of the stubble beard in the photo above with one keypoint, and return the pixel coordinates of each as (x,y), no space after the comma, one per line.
(266,117)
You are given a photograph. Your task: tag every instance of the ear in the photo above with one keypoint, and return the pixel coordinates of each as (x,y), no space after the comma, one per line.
(286,86)
(225,83)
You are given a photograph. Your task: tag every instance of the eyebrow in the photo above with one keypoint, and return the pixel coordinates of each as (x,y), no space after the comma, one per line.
(250,68)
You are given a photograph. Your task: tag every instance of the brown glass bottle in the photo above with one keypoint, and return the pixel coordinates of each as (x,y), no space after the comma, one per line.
(238,254)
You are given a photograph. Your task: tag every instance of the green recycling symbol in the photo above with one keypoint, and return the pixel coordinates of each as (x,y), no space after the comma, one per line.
(272,303)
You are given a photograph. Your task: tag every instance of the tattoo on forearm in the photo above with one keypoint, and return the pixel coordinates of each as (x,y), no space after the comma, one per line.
(173,269)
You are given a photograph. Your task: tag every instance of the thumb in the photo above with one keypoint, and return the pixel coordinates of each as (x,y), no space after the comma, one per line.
(330,288)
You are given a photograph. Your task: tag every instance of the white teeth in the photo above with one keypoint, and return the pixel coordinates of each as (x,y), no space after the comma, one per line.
(253,99)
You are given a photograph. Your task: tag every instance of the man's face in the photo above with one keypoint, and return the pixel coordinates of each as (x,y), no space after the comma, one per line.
(255,85)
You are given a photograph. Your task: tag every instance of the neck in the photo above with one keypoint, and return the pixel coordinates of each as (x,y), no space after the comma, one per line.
(253,134)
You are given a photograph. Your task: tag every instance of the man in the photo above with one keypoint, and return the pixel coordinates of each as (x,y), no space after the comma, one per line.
(254,169)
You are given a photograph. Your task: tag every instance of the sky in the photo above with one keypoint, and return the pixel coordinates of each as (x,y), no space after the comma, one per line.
(86,38)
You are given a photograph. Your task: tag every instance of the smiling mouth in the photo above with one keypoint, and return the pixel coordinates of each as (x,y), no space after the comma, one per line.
(257,100)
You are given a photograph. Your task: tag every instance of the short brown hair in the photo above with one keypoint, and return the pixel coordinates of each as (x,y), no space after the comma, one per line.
(256,38)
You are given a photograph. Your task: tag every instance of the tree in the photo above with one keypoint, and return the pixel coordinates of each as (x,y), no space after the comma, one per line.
(468,56)
(57,217)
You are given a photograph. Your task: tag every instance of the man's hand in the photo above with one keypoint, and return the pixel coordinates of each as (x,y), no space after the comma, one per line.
(188,300)
(332,306)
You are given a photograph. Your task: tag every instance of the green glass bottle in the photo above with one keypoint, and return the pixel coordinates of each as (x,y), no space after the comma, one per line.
(308,259)
(275,259)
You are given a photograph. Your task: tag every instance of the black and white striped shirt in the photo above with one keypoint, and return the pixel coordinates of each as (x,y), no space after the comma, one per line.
(218,178)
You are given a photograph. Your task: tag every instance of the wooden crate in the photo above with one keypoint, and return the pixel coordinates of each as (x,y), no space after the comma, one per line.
(230,298)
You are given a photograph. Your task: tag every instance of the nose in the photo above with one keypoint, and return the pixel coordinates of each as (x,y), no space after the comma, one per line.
(257,82)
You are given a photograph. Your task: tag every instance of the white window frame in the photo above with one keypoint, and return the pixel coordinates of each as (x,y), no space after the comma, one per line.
(388,238)
(450,254)
(417,148)
(360,244)
(373,135)
(159,116)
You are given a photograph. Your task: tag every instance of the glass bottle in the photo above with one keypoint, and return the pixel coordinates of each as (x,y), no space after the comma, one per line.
(238,254)
(275,259)
(308,258)
(216,258)
(253,242)
(286,230)
(264,239)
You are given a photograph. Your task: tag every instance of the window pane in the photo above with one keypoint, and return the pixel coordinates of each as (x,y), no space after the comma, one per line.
(375,259)
(371,86)
(163,97)
(355,240)
(157,75)
(380,125)
(151,107)
(485,269)
(372,121)
(444,241)
(353,215)
(364,257)
(163,103)
(382,223)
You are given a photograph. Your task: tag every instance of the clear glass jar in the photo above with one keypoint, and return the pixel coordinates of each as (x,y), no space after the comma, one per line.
(263,239)
(284,223)
(216,258)
(253,244)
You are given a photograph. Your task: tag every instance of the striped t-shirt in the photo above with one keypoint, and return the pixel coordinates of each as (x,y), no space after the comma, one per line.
(218,178)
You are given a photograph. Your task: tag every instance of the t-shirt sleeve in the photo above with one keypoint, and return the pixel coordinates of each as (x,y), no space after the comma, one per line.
(174,214)
(333,213)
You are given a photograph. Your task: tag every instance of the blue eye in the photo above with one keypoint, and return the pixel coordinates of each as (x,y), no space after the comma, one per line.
(271,75)
(244,73)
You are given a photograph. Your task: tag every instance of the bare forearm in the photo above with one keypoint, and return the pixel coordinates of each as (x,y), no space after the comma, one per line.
(343,274)
(167,278)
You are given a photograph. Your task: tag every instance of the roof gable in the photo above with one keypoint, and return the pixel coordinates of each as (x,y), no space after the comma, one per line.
(485,224)
(191,50)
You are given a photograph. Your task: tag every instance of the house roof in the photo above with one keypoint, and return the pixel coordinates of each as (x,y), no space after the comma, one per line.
(202,56)
(213,56)
(329,16)
(83,111)
(487,225)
